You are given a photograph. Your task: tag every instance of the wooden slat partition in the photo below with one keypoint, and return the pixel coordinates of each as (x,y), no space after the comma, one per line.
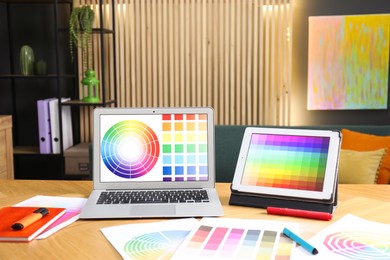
(232,55)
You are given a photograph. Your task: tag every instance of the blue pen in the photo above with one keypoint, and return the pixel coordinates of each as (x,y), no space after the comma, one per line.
(300,241)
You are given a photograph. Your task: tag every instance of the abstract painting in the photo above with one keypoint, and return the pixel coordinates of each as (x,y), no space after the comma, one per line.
(348,62)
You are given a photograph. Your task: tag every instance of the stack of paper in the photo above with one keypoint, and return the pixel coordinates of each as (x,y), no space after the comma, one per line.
(73,208)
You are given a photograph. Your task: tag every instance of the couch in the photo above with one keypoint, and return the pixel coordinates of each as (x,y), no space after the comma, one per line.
(228,142)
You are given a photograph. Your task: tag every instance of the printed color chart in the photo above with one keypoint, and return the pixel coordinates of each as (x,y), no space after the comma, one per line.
(359,245)
(350,237)
(293,162)
(156,245)
(154,240)
(237,239)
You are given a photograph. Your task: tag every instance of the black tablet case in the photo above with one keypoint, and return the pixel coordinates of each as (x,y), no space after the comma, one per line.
(264,201)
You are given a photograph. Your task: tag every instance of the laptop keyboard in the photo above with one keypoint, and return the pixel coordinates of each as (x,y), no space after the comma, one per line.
(153,196)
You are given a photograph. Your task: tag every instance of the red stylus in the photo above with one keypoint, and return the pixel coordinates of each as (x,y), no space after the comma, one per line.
(299,213)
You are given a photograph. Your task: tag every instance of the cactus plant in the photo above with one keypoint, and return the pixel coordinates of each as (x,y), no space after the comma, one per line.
(27,59)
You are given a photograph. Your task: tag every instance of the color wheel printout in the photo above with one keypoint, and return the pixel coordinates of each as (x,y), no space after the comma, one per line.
(156,240)
(350,238)
(227,238)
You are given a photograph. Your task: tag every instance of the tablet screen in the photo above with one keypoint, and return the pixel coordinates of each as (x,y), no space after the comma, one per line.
(286,161)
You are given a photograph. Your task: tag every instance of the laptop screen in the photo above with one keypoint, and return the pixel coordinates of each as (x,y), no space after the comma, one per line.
(153,147)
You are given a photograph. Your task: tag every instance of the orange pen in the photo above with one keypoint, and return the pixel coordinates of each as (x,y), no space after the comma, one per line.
(29,219)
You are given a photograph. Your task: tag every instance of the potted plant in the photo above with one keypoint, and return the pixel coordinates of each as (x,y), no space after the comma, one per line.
(80,28)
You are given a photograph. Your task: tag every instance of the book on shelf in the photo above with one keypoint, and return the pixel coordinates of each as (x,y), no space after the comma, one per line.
(11,215)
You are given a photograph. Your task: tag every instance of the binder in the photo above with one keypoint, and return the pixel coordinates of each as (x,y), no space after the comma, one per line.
(55,125)
(67,129)
(44,128)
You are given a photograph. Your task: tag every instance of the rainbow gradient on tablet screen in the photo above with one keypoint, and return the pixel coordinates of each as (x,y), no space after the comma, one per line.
(130,149)
(291,162)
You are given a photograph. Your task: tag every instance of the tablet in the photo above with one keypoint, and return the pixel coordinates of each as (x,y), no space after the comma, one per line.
(297,163)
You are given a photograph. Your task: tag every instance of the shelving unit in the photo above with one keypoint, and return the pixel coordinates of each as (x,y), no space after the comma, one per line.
(104,45)
(43,27)
(99,34)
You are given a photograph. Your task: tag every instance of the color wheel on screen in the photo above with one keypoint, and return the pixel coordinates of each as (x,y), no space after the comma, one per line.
(130,149)
(359,244)
(156,245)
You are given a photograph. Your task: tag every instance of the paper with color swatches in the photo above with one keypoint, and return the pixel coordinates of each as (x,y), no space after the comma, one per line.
(350,237)
(156,240)
(227,238)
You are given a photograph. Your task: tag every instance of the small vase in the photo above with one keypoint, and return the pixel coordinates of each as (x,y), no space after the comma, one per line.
(40,67)
(27,59)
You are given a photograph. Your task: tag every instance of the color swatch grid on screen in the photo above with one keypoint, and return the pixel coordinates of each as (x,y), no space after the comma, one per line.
(229,240)
(293,162)
(184,147)
(130,149)
(359,245)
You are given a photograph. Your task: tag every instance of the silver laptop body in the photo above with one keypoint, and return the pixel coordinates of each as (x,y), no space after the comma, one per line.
(144,149)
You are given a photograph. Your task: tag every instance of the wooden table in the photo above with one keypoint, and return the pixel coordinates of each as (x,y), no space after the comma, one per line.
(83,239)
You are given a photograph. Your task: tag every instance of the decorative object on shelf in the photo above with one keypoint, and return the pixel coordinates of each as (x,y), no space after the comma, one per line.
(93,87)
(40,67)
(27,59)
(80,24)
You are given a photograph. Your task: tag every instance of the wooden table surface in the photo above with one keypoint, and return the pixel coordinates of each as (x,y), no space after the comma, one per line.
(83,239)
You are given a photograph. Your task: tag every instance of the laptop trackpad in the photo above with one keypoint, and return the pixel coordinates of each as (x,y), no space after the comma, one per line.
(152,210)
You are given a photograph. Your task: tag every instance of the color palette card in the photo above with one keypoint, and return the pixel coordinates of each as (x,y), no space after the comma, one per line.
(350,237)
(227,238)
(157,240)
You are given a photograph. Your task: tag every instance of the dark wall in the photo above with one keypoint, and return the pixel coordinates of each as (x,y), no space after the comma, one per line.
(302,10)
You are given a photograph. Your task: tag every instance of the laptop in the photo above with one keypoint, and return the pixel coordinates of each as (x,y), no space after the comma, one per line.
(153,163)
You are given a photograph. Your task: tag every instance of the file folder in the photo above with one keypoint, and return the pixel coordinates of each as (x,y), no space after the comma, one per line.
(67,129)
(55,125)
(44,128)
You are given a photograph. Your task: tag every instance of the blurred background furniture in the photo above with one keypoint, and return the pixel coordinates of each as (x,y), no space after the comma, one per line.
(6,148)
